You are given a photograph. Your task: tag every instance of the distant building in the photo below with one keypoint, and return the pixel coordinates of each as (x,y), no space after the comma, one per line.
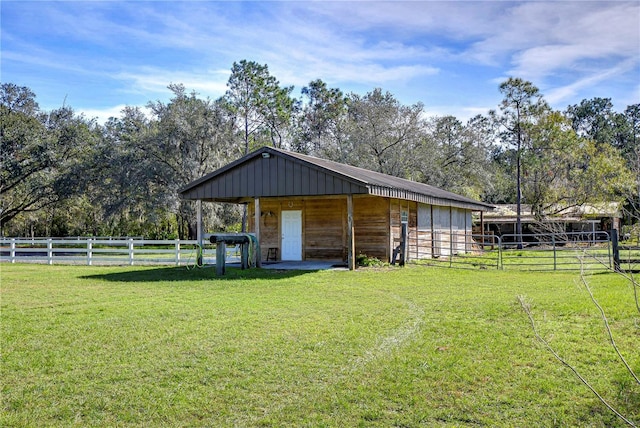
(587,219)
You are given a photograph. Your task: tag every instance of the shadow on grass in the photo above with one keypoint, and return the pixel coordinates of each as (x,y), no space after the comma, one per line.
(198,274)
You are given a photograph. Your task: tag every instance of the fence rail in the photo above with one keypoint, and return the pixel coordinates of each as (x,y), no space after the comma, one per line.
(91,251)
(564,251)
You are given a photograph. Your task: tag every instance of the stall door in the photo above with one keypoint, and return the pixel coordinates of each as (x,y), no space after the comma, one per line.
(291,235)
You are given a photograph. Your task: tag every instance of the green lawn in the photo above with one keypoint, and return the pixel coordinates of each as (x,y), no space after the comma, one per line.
(413,346)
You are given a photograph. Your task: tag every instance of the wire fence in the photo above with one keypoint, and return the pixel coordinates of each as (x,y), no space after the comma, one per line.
(593,251)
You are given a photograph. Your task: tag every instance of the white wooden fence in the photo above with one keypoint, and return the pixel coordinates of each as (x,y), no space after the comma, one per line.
(103,251)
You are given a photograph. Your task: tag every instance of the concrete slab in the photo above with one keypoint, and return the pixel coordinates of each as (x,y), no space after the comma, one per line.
(305,265)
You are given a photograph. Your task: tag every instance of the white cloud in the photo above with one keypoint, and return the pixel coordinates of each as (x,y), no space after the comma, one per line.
(102,115)
(566,92)
(209,83)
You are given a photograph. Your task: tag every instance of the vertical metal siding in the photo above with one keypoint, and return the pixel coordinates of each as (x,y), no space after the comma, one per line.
(320,183)
(289,178)
(297,179)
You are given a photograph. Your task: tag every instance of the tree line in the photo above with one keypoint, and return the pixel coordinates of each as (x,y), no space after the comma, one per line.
(63,174)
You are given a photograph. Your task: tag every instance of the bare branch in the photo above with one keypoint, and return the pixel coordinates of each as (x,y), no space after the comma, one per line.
(606,322)
(527,309)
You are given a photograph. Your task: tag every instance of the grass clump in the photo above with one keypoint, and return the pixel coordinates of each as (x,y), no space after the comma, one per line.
(418,346)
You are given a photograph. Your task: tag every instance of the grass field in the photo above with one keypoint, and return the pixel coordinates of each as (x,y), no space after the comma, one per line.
(413,346)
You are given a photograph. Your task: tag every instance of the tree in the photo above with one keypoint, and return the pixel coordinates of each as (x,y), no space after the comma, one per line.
(381,133)
(192,137)
(520,108)
(456,157)
(43,154)
(563,170)
(261,109)
(594,119)
(321,123)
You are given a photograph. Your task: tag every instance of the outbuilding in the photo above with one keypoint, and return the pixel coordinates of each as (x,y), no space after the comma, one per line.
(302,207)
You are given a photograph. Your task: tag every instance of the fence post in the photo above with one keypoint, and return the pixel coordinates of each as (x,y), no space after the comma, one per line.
(177,252)
(450,247)
(49,251)
(403,243)
(12,251)
(131,251)
(89,252)
(555,254)
(616,250)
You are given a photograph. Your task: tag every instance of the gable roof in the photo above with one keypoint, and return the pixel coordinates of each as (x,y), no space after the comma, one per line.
(270,172)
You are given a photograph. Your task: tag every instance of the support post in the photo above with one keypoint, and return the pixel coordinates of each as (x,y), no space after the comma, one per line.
(244,255)
(256,229)
(12,252)
(199,233)
(350,234)
(221,250)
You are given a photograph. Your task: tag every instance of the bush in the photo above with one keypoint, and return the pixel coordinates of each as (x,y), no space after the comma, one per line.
(366,261)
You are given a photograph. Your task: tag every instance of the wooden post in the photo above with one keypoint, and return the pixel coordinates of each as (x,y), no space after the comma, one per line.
(616,250)
(89,251)
(256,229)
(131,251)
(12,252)
(221,252)
(403,243)
(49,251)
(199,234)
(244,255)
(350,235)
(481,229)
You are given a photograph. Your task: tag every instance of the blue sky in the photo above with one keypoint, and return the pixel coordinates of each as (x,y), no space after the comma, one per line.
(98,56)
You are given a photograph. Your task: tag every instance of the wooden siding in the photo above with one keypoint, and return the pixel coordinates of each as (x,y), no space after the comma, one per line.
(325,229)
(275,176)
(377,227)
(323,226)
(371,225)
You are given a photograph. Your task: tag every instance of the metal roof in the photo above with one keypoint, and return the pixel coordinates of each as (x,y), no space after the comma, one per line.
(274,172)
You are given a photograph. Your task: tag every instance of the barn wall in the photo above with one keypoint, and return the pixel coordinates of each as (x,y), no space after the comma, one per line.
(325,231)
(433,230)
(447,229)
(424,233)
(323,226)
(371,226)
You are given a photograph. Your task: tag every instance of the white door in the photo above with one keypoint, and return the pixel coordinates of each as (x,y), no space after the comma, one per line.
(291,235)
